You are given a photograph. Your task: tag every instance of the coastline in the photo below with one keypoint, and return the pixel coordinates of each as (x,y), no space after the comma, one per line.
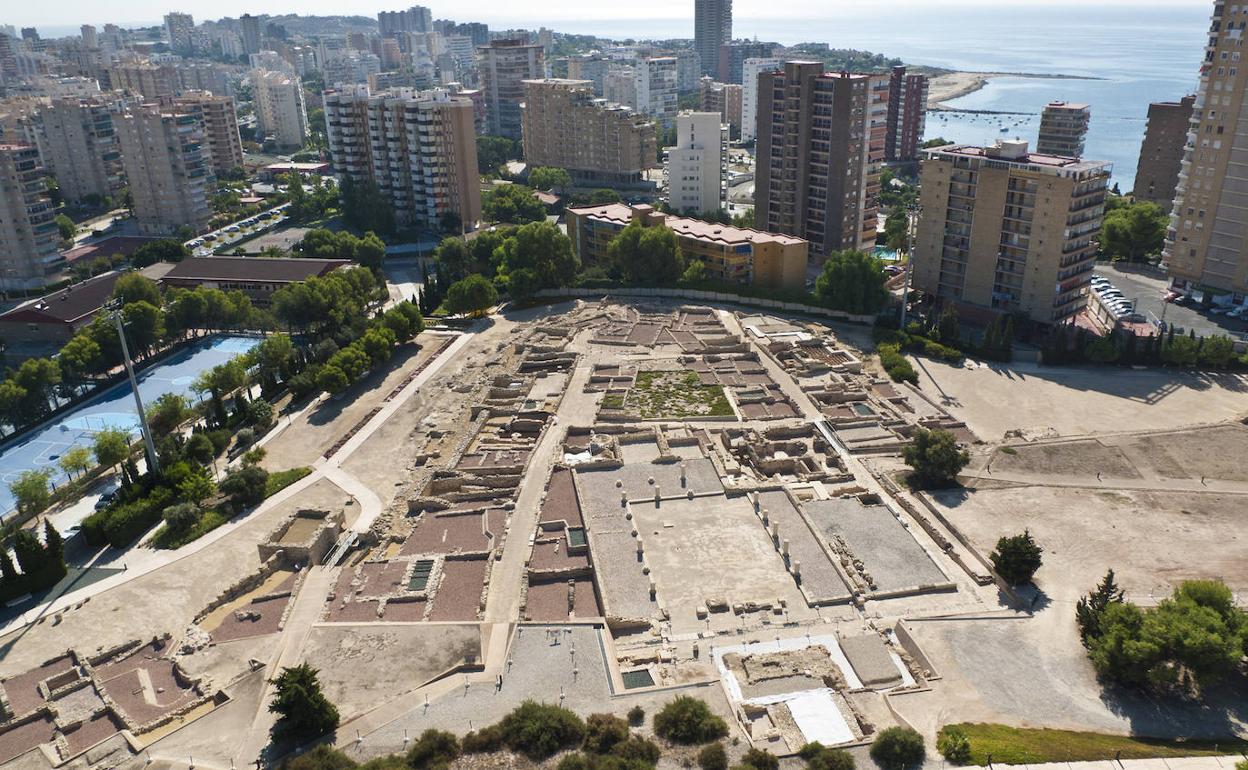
(953,85)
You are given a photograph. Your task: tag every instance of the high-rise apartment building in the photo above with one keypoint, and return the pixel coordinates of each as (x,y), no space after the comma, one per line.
(712,27)
(750,70)
(415,19)
(1063,128)
(505,65)
(654,83)
(591,67)
(418,147)
(164,154)
(1007,231)
(90,38)
(151,81)
(732,56)
(1206,245)
(907,114)
(724,98)
(818,152)
(696,166)
(1161,153)
(180,29)
(566,126)
(28,233)
(250,31)
(619,86)
(280,109)
(220,119)
(78,145)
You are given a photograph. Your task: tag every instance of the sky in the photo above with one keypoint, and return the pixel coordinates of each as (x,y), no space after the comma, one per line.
(500,13)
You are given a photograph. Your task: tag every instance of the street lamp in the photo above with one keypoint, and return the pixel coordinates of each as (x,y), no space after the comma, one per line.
(114,312)
(912,230)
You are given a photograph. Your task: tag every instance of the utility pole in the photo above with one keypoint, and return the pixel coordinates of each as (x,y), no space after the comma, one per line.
(912,231)
(153,464)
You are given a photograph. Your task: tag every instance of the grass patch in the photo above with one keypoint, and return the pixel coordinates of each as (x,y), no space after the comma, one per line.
(167,539)
(1008,450)
(613,401)
(675,394)
(279,480)
(1018,746)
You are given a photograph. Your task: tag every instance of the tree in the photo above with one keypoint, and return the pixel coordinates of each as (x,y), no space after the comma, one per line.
(32,557)
(434,749)
(473,295)
(513,204)
(535,256)
(144,324)
(852,282)
(1179,350)
(538,730)
(66,227)
(896,748)
(303,710)
(1016,558)
(713,757)
(53,543)
(112,447)
(30,491)
(75,460)
(1134,231)
(168,412)
(365,208)
(164,250)
(493,152)
(196,487)
(1217,351)
(245,486)
(935,457)
(549,178)
(603,196)
(181,517)
(603,732)
(954,745)
(1090,608)
(647,254)
(79,356)
(135,287)
(454,258)
(897,230)
(695,273)
(272,359)
(688,720)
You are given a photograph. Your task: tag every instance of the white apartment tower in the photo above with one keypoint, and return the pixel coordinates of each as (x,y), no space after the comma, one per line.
(696,165)
(280,109)
(750,69)
(654,83)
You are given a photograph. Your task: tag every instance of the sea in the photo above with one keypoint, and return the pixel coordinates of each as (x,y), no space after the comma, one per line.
(1139,54)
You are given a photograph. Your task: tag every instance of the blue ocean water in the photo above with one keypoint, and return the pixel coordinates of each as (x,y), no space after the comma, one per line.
(1143,54)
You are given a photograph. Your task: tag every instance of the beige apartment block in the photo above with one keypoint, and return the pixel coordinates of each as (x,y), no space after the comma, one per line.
(1063,129)
(724,98)
(78,145)
(1005,231)
(566,126)
(166,159)
(220,117)
(28,233)
(280,109)
(1207,245)
(419,147)
(504,66)
(819,148)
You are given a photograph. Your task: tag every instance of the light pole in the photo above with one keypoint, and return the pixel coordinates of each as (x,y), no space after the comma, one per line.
(912,230)
(114,310)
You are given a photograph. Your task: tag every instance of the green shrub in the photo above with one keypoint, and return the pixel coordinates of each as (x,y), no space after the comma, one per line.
(934,349)
(279,480)
(539,731)
(603,732)
(896,748)
(954,745)
(434,749)
(321,757)
(760,760)
(636,716)
(688,720)
(713,757)
(637,749)
(895,364)
(820,757)
(483,741)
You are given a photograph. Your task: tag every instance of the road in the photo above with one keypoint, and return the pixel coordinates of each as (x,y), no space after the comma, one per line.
(1147,289)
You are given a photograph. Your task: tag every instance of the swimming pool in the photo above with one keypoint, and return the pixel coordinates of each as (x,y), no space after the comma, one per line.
(112,409)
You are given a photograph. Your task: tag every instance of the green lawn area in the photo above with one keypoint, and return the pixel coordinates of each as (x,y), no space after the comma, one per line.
(1018,746)
(675,394)
(279,480)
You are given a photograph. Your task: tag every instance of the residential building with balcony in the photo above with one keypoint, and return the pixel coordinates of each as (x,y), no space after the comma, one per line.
(78,145)
(1005,231)
(750,70)
(1063,129)
(1161,153)
(697,165)
(907,115)
(504,66)
(220,117)
(724,98)
(819,146)
(280,109)
(418,147)
(730,254)
(167,164)
(28,232)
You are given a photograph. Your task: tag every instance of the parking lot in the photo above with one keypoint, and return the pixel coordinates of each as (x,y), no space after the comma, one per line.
(206,244)
(1147,290)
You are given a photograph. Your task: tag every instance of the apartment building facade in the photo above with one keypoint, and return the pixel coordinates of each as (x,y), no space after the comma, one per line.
(78,144)
(165,157)
(907,115)
(1161,152)
(418,147)
(1063,129)
(712,27)
(28,232)
(180,28)
(730,254)
(1206,246)
(220,119)
(750,70)
(732,56)
(504,66)
(1005,231)
(696,166)
(654,83)
(566,126)
(280,109)
(724,98)
(818,152)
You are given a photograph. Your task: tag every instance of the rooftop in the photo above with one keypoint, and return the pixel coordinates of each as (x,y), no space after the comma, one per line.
(1035,160)
(622,214)
(281,270)
(67,305)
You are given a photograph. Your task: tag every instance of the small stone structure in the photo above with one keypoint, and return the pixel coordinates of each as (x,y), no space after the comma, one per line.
(302,539)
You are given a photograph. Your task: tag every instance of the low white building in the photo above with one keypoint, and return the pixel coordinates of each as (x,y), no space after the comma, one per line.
(697,164)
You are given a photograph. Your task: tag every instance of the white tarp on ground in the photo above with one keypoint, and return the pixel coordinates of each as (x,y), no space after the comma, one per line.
(818,718)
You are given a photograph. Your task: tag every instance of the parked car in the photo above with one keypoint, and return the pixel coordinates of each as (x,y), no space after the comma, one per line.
(1238,312)
(104,500)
